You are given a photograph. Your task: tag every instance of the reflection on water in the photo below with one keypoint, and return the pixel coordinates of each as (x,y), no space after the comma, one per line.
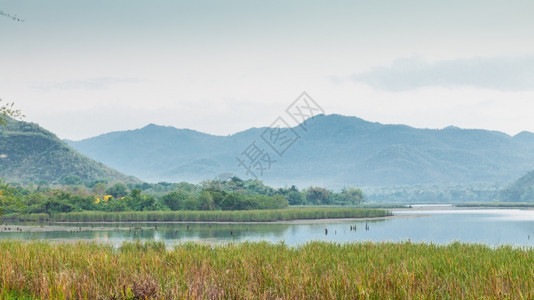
(172,233)
(436,225)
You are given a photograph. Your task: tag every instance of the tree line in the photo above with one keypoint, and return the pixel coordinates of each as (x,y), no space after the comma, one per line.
(231,194)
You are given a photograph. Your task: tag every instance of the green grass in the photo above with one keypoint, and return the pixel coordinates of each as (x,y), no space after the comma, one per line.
(363,205)
(265,271)
(210,216)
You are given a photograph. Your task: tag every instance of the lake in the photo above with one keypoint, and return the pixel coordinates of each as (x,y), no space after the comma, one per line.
(430,224)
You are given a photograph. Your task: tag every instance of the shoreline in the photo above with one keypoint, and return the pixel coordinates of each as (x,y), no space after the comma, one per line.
(62,226)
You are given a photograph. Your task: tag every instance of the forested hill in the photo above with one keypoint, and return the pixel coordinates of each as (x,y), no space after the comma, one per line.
(334,151)
(522,190)
(29,153)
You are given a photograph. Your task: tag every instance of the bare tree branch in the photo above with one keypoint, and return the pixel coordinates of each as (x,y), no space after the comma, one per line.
(7,110)
(13,17)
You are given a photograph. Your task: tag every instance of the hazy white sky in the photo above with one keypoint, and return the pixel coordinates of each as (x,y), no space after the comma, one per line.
(82,68)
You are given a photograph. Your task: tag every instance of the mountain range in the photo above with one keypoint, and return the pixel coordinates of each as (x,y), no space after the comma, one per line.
(29,153)
(327,150)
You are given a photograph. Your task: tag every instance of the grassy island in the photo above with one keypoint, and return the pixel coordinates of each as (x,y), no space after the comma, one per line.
(267,215)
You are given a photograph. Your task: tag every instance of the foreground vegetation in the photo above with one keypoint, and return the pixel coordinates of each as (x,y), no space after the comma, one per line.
(266,271)
(208,216)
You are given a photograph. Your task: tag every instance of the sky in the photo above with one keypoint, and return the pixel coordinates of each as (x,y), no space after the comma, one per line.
(83,68)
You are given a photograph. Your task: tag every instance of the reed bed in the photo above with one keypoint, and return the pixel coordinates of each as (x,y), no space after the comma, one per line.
(268,215)
(316,270)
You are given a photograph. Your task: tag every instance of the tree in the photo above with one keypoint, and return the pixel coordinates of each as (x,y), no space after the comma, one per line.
(117,205)
(59,203)
(139,202)
(317,195)
(235,184)
(118,190)
(73,180)
(7,196)
(295,198)
(99,188)
(7,111)
(148,202)
(190,203)
(175,200)
(231,201)
(217,196)
(205,201)
(352,195)
(136,194)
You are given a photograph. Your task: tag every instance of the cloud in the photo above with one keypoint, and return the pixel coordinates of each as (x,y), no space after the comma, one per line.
(97,83)
(496,73)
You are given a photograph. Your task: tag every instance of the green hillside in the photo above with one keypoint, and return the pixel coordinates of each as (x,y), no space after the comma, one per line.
(29,153)
(522,190)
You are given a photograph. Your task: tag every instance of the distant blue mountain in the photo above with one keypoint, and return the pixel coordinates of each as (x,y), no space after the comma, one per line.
(333,151)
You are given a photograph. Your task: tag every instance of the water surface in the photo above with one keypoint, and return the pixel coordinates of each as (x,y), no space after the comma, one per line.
(439,225)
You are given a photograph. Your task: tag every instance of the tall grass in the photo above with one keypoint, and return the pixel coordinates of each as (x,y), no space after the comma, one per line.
(265,271)
(214,216)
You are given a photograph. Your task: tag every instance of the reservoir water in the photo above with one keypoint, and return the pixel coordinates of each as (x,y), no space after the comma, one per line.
(439,225)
